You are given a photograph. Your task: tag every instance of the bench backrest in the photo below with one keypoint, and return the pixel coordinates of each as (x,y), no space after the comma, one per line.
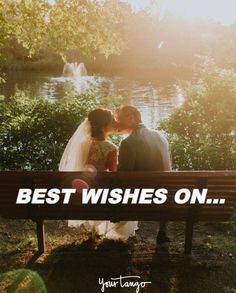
(220,184)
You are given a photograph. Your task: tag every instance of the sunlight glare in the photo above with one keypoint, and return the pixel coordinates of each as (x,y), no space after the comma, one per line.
(218,10)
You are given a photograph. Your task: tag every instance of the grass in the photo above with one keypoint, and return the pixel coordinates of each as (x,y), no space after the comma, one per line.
(74,261)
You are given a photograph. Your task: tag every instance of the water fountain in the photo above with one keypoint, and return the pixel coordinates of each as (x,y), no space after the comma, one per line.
(74,70)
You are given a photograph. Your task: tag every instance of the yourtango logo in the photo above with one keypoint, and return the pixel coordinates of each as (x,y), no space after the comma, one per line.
(123,282)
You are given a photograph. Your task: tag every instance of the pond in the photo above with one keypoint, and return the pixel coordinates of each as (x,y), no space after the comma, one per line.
(154,98)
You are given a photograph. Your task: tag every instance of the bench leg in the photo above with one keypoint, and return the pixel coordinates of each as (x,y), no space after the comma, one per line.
(40,236)
(188,237)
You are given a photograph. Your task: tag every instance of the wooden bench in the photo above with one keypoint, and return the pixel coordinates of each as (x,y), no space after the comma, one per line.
(220,184)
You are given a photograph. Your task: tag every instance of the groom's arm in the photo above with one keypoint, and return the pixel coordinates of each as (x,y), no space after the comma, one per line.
(126,158)
(165,152)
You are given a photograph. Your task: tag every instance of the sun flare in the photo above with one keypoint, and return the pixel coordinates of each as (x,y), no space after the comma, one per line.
(219,10)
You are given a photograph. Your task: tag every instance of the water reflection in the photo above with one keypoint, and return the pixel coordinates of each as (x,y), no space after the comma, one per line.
(155,100)
(80,85)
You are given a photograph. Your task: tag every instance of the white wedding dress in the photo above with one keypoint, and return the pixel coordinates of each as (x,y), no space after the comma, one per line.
(82,153)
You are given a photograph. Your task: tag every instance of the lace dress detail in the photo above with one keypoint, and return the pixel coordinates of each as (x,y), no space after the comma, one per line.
(98,158)
(98,154)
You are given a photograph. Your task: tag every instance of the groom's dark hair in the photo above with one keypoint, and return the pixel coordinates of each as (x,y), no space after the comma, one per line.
(130,110)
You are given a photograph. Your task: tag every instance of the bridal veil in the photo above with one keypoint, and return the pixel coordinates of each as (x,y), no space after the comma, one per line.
(76,152)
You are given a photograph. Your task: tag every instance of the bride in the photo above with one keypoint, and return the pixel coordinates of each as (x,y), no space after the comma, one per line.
(89,149)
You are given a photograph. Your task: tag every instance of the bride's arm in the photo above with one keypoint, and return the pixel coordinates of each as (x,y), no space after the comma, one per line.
(112,161)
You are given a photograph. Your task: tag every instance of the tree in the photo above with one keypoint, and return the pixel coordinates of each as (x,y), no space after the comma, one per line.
(87,25)
(202,132)
(33,132)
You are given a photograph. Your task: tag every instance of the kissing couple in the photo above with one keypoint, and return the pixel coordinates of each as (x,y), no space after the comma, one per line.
(142,150)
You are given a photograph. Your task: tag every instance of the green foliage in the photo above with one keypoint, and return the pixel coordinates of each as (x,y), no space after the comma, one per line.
(33,132)
(88,26)
(94,29)
(67,24)
(22,280)
(202,132)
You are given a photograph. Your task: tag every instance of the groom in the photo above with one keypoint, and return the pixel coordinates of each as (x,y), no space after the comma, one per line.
(142,150)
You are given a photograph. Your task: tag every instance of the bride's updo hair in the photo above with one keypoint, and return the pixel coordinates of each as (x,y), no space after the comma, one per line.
(99,119)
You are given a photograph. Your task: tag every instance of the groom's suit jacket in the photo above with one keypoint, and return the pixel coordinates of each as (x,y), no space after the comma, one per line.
(144,150)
